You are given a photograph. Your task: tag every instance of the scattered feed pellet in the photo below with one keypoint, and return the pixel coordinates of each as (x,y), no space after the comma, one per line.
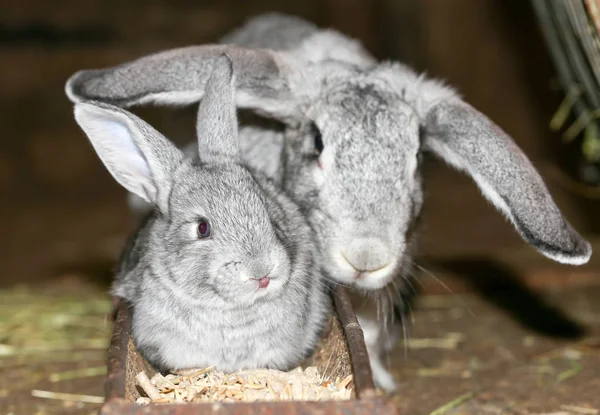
(209,385)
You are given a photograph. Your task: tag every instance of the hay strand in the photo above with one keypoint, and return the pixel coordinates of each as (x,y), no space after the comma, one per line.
(77,374)
(453,404)
(70,397)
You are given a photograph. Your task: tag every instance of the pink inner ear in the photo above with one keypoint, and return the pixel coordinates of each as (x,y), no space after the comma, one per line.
(319,164)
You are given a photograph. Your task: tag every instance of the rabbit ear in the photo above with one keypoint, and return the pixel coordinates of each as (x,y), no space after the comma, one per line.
(136,155)
(217,126)
(179,76)
(469,141)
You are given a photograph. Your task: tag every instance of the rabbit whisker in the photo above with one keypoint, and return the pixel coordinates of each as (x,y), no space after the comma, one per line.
(439,281)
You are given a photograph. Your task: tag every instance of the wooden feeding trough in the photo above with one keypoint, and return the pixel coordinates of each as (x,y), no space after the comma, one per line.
(341,352)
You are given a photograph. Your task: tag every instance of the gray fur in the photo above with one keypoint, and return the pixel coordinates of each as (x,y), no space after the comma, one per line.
(273,30)
(282,32)
(254,69)
(196,302)
(376,120)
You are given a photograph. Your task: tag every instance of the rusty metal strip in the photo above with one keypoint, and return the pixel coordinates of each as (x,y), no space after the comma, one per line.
(360,407)
(114,386)
(361,368)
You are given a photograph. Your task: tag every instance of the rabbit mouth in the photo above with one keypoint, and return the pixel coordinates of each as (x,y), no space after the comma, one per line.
(374,278)
(368,281)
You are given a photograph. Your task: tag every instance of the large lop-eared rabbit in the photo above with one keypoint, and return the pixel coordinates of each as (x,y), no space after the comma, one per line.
(223,270)
(351,153)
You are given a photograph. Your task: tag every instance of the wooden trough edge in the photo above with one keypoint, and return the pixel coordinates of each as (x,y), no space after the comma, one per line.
(367,401)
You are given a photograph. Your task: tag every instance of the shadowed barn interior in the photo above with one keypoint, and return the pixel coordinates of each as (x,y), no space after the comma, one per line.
(499,329)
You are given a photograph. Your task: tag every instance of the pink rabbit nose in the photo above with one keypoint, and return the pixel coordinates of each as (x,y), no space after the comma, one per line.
(263,282)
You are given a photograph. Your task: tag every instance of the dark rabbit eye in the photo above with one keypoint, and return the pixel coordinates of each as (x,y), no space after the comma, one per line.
(203,228)
(318,139)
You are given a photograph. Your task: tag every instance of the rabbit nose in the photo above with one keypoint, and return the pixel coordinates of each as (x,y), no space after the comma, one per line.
(263,282)
(367,255)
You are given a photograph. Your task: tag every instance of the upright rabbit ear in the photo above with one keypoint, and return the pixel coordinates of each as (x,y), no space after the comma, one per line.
(137,156)
(265,79)
(217,126)
(469,141)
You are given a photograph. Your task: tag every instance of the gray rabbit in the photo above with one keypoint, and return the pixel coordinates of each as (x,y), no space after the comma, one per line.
(351,153)
(224,269)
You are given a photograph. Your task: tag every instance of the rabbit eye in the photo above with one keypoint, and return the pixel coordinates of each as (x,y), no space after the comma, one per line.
(318,139)
(203,228)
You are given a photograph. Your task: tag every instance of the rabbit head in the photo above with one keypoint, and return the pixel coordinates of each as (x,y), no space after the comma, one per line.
(213,231)
(354,142)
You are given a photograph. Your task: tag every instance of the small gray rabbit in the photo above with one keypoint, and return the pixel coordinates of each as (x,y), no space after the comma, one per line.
(224,269)
(351,153)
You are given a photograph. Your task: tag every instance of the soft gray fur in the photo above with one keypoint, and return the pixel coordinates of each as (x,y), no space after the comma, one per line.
(363,193)
(197,302)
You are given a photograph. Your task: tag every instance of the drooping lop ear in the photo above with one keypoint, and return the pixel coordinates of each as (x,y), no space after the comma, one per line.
(139,158)
(469,141)
(217,126)
(266,80)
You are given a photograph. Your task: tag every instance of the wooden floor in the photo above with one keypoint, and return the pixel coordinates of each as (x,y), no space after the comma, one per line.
(503,348)
(499,348)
